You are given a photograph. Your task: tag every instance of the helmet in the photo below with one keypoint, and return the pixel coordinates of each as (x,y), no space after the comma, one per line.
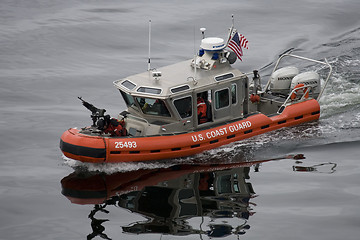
(101,124)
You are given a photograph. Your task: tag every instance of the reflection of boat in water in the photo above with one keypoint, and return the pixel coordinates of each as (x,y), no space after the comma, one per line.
(170,198)
(222,194)
(213,200)
(196,105)
(210,199)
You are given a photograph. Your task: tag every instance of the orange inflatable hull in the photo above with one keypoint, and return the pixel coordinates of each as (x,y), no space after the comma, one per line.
(98,149)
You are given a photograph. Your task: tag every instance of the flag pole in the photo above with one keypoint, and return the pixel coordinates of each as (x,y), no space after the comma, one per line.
(230,31)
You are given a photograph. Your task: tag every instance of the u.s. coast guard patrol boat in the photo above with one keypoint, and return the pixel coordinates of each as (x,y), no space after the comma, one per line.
(163,119)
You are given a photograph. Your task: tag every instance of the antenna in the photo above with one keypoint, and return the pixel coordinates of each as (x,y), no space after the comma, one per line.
(194,57)
(149,44)
(193,78)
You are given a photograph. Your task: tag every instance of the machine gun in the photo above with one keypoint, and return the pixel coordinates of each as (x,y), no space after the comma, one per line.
(96,113)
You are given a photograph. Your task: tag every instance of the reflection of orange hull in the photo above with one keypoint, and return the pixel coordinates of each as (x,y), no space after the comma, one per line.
(98,149)
(96,189)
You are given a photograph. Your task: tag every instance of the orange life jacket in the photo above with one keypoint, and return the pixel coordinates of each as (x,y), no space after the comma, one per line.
(116,128)
(201,110)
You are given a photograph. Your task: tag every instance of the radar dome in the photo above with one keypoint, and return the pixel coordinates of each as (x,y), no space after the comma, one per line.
(212,44)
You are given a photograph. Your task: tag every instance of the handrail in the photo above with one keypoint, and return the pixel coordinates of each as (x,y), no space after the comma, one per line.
(327,79)
(306,59)
(308,88)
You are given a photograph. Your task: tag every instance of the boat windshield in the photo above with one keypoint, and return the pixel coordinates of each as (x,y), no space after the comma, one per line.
(184,106)
(153,106)
(129,100)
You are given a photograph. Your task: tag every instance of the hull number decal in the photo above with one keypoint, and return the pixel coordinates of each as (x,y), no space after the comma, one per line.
(130,144)
(220,132)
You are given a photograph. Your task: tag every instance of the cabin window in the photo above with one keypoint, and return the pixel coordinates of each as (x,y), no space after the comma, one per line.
(180,89)
(129,100)
(184,106)
(129,85)
(149,90)
(222,98)
(233,93)
(224,77)
(153,106)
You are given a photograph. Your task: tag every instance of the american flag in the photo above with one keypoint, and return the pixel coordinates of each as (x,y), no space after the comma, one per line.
(236,42)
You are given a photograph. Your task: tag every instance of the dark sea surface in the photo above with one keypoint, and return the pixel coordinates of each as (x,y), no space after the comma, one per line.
(295,183)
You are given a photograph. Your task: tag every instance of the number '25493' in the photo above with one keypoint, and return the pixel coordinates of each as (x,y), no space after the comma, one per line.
(129,144)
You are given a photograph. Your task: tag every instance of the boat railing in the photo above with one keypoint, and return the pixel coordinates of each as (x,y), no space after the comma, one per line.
(307,90)
(325,62)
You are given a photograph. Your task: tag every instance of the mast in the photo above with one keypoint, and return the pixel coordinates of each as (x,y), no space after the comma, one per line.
(230,31)
(194,57)
(149,67)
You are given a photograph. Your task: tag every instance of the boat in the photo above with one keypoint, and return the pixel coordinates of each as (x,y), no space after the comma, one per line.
(165,117)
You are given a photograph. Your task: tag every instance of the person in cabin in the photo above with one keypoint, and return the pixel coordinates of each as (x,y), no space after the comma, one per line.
(201,109)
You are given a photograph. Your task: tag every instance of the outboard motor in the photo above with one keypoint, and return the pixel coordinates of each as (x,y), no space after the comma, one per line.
(308,79)
(281,80)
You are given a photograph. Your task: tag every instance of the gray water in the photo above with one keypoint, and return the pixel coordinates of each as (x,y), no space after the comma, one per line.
(53,51)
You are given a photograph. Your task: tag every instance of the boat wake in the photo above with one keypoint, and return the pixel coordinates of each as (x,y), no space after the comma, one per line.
(110,168)
(342,94)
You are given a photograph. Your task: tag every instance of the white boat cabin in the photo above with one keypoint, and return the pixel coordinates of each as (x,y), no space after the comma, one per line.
(165,101)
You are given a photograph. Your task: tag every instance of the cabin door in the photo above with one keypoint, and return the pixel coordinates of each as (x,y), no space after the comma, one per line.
(221,103)
(229,101)
(238,96)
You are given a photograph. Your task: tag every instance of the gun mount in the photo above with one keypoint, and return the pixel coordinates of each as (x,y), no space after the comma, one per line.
(96,113)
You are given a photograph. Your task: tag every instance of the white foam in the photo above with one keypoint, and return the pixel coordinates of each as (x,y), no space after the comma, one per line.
(343,89)
(110,168)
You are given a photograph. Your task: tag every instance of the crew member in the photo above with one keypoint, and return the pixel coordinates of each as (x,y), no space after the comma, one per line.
(114,126)
(201,110)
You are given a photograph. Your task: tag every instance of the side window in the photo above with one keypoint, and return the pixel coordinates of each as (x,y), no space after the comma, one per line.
(222,98)
(153,106)
(233,93)
(184,106)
